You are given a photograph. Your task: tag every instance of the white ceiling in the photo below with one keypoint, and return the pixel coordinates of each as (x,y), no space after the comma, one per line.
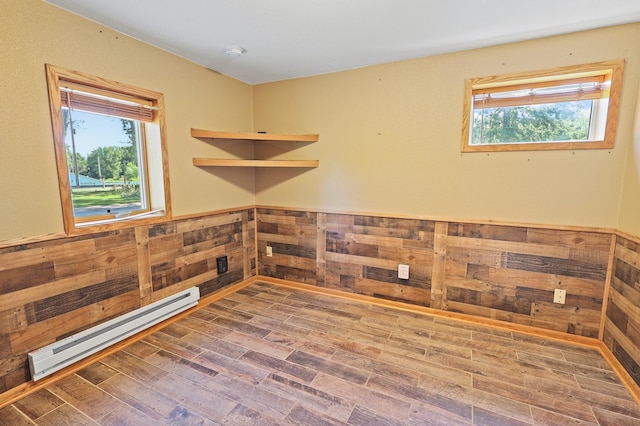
(287,39)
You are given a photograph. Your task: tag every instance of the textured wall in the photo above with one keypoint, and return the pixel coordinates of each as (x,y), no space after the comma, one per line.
(52,289)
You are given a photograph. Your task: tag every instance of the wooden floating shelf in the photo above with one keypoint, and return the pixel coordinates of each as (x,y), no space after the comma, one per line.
(219,162)
(198,133)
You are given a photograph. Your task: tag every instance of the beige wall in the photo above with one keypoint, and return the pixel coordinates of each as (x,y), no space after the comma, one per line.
(33,33)
(630,205)
(389,134)
(390,139)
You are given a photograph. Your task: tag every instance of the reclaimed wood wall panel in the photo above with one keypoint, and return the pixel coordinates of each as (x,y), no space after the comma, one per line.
(293,237)
(352,253)
(508,273)
(52,289)
(622,323)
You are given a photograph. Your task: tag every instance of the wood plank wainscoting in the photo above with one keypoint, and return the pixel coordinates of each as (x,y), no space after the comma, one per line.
(622,323)
(496,274)
(56,288)
(507,273)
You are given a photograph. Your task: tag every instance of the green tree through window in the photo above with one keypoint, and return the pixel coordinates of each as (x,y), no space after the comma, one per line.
(566,121)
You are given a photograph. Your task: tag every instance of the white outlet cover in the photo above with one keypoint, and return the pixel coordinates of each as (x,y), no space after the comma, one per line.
(269,251)
(403,272)
(559,296)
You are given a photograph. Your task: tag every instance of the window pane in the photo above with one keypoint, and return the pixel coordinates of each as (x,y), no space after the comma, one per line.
(550,122)
(104,168)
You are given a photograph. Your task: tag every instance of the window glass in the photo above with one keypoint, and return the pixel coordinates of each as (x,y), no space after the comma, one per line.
(105,167)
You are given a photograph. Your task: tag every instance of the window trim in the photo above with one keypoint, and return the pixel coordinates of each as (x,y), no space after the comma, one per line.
(615,67)
(55,77)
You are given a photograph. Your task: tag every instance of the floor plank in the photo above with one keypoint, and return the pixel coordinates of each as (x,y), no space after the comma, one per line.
(270,355)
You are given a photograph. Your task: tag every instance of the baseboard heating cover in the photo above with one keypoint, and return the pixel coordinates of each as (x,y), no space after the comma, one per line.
(62,353)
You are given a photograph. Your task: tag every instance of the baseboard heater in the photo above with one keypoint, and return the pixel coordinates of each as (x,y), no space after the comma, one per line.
(62,353)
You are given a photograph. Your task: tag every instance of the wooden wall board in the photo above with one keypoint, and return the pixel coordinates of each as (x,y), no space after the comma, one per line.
(512,269)
(292,235)
(621,333)
(506,272)
(55,288)
(350,252)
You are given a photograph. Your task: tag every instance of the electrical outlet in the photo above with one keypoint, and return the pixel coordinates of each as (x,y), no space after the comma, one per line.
(559,296)
(269,251)
(223,264)
(403,272)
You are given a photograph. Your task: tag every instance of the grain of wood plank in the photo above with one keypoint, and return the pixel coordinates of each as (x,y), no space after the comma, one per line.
(628,299)
(195,396)
(250,395)
(321,248)
(423,395)
(559,266)
(415,295)
(607,418)
(208,222)
(493,406)
(43,252)
(361,260)
(302,415)
(489,231)
(627,255)
(574,239)
(39,403)
(86,397)
(16,279)
(61,304)
(308,396)
(593,399)
(622,340)
(182,367)
(423,414)
(144,263)
(491,258)
(172,344)
(33,294)
(508,246)
(134,367)
(536,399)
(258,344)
(373,240)
(141,397)
(363,396)
(65,414)
(280,366)
(11,416)
(125,414)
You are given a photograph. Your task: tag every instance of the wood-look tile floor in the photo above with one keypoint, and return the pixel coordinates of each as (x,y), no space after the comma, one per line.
(273,355)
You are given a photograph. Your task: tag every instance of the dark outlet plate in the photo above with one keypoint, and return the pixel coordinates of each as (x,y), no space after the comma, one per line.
(223,264)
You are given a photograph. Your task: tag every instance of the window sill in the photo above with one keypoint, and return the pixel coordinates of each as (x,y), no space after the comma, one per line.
(538,146)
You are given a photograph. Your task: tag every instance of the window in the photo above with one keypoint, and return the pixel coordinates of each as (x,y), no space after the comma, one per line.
(110,152)
(567,108)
